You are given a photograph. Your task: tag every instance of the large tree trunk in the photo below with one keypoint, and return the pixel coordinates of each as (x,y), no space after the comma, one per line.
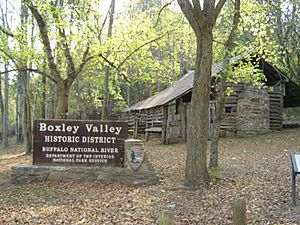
(202,19)
(196,173)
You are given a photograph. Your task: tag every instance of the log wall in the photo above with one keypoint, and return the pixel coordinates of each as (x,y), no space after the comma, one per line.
(247,111)
(276,110)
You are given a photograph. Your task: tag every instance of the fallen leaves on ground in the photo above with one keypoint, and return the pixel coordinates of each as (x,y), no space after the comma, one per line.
(256,168)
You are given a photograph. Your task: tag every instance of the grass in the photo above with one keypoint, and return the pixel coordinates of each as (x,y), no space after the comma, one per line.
(215,174)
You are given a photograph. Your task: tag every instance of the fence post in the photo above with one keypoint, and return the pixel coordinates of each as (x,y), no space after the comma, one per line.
(239,211)
(166,218)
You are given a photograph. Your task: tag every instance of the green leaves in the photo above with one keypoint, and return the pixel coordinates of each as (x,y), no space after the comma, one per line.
(150,47)
(246,72)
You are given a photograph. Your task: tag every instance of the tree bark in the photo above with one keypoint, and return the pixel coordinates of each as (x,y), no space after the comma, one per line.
(19,112)
(62,103)
(216,126)
(1,106)
(4,101)
(5,114)
(104,111)
(221,89)
(196,173)
(202,22)
(27,119)
(44,100)
(24,80)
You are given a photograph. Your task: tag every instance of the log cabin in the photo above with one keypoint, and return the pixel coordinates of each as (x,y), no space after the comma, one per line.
(248,110)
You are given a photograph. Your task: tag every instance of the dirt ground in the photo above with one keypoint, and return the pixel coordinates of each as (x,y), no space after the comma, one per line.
(256,168)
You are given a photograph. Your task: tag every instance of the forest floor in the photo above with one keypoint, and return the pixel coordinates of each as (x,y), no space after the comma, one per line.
(256,168)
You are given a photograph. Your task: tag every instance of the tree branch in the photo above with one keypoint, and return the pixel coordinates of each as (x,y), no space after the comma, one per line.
(219,42)
(62,33)
(236,19)
(23,69)
(10,57)
(7,32)
(45,40)
(197,6)
(160,11)
(188,11)
(115,67)
(218,9)
(199,13)
(118,68)
(109,63)
(83,61)
(103,24)
(141,46)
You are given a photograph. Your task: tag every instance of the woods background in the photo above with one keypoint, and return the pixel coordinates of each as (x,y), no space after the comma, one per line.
(81,60)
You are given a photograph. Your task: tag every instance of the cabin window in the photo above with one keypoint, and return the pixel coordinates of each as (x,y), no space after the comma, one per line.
(187,97)
(228,109)
(177,106)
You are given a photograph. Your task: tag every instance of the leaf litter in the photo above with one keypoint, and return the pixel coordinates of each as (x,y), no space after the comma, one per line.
(255,168)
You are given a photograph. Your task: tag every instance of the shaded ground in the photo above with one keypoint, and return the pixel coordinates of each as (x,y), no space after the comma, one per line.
(256,168)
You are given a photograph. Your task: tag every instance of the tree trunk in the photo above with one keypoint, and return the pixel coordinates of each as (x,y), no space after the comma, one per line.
(4,102)
(182,64)
(62,103)
(27,119)
(51,99)
(19,108)
(44,100)
(1,106)
(27,125)
(202,19)
(5,114)
(72,72)
(196,173)
(221,89)
(104,111)
(216,125)
(6,122)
